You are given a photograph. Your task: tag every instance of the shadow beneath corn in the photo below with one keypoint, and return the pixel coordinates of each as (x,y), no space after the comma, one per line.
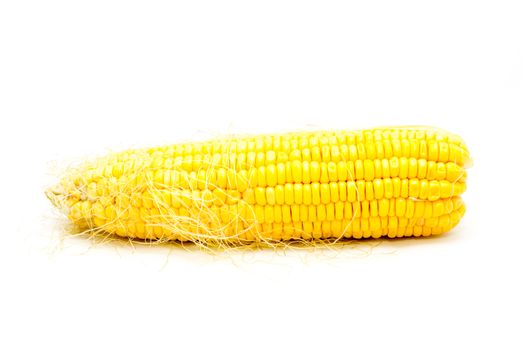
(260,251)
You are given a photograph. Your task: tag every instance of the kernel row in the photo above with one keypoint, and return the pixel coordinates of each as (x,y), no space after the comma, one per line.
(350,191)
(431,151)
(290,172)
(375,227)
(288,142)
(400,207)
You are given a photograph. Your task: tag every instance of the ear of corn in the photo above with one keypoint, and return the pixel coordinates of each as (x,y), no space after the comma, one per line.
(385,182)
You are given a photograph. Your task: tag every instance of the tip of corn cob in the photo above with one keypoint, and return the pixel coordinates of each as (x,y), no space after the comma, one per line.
(56,196)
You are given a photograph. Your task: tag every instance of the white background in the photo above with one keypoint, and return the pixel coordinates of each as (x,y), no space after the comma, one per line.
(81,78)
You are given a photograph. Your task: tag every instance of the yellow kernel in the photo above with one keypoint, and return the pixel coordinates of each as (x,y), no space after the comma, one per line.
(312,213)
(443,152)
(454,172)
(379,189)
(332,171)
(404,188)
(281,173)
(306,155)
(325,193)
(335,154)
(403,168)
(277,213)
(297,171)
(248,196)
(339,210)
(365,212)
(356,209)
(221,178)
(378,173)
(298,193)
(424,189)
(428,210)
(387,146)
(438,208)
(271,175)
(316,154)
(413,188)
(433,151)
(268,214)
(325,154)
(441,171)
(330,211)
(392,207)
(321,212)
(359,170)
(296,212)
(306,172)
(412,168)
(361,151)
(341,171)
(307,194)
(383,207)
(110,212)
(261,176)
(242,180)
(380,151)
(334,191)
(147,200)
(400,207)
(405,148)
(326,229)
(374,210)
(421,168)
(445,189)
(295,155)
(308,230)
(324,173)
(351,191)
(316,193)
(352,152)
(315,171)
(396,184)
(348,211)
(392,226)
(99,210)
(350,170)
(289,174)
(342,190)
(419,209)
(270,157)
(434,190)
(410,207)
(361,189)
(394,167)
(270,195)
(92,191)
(218,193)
(368,166)
(431,170)
(259,213)
(288,194)
(369,190)
(259,160)
(279,194)
(303,213)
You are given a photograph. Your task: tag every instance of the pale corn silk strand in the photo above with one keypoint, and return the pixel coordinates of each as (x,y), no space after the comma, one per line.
(303,189)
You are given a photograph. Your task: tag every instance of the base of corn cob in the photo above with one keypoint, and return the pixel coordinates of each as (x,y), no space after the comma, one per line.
(383,182)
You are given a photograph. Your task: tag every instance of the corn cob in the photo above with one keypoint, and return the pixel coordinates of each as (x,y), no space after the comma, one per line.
(384,182)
